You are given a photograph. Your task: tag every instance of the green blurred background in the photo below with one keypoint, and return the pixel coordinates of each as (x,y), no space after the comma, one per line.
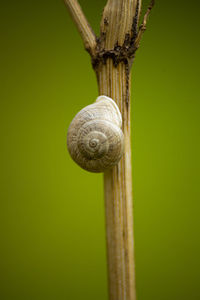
(51,211)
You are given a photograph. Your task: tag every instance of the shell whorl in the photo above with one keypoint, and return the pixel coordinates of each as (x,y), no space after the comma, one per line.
(95,140)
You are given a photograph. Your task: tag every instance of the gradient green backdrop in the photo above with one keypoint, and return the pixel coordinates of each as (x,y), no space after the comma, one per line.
(52,212)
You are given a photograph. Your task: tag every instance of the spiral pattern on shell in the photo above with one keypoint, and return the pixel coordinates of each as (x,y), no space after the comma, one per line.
(95,140)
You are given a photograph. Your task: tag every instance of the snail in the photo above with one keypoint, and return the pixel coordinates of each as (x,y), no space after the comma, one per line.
(95,140)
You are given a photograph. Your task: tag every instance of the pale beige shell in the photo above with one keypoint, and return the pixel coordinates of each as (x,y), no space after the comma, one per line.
(95,140)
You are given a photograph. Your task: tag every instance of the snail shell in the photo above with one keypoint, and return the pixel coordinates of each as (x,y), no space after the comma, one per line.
(95,140)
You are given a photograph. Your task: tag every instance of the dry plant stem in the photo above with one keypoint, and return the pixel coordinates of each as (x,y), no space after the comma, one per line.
(118,194)
(114,81)
(112,56)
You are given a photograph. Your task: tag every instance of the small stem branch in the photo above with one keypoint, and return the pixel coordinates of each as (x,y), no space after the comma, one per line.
(142,27)
(86,32)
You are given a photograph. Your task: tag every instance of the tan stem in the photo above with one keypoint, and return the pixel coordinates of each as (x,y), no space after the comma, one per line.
(113,82)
